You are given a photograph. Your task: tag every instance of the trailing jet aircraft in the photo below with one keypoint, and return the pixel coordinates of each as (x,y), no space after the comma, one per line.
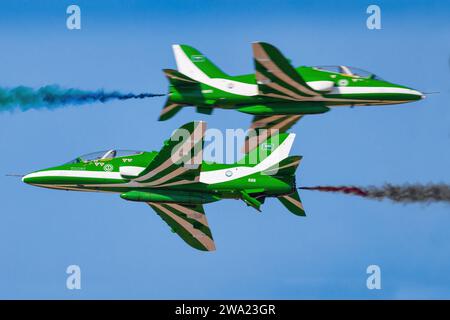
(277,94)
(176,182)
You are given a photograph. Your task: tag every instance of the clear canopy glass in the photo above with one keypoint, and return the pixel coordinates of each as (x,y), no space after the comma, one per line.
(349,71)
(109,154)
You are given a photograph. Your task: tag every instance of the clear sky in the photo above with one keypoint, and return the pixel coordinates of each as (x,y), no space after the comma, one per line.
(126,251)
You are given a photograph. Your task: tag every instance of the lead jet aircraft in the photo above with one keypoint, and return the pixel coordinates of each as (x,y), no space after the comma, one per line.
(176,182)
(277,94)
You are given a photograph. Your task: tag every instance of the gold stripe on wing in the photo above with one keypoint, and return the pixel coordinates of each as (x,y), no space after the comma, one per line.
(252,142)
(197,216)
(168,108)
(268,63)
(177,172)
(277,87)
(294,202)
(261,123)
(206,241)
(175,157)
(287,123)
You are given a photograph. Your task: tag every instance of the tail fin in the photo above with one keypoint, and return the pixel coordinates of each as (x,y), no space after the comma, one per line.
(270,152)
(276,77)
(194,64)
(179,160)
(287,168)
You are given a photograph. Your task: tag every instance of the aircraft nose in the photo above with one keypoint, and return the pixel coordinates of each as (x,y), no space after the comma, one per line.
(27,178)
(416,95)
(34,178)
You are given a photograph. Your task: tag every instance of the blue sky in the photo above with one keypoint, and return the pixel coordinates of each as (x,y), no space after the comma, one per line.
(126,251)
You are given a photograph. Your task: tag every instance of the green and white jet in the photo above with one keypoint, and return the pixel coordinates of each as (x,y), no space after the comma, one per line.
(176,182)
(277,94)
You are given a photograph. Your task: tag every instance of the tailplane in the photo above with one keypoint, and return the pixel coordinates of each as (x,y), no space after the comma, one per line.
(284,168)
(177,81)
(293,203)
(287,168)
(169,110)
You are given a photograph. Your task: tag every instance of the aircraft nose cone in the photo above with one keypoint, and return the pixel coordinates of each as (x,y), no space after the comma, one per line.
(416,95)
(26,179)
(34,178)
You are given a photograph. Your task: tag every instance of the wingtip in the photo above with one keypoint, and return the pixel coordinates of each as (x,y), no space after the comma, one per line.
(262,43)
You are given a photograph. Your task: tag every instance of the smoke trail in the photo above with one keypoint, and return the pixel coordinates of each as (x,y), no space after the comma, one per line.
(408,193)
(50,97)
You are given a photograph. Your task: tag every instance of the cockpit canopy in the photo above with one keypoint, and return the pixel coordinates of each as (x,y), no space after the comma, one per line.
(101,155)
(349,71)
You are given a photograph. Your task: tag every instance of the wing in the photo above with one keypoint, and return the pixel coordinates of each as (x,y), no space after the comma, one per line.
(189,222)
(267,126)
(276,77)
(282,123)
(179,160)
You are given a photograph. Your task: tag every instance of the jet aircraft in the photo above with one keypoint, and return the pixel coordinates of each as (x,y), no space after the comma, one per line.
(175,182)
(277,94)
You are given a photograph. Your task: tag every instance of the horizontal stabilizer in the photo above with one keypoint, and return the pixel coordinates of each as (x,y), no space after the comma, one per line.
(293,203)
(178,79)
(285,167)
(169,110)
(205,110)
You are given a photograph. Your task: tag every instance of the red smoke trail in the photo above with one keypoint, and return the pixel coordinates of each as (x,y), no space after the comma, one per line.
(406,193)
(348,190)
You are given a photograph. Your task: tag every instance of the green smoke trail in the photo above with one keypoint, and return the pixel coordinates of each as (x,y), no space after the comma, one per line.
(52,97)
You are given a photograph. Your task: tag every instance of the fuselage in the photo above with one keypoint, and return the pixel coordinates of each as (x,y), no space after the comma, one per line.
(108,172)
(336,89)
